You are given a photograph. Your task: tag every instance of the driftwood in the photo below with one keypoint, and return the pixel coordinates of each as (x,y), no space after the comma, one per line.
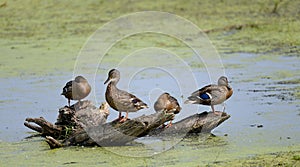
(84,124)
(197,123)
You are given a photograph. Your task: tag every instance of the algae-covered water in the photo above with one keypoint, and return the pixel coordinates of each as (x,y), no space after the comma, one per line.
(260,98)
(43,43)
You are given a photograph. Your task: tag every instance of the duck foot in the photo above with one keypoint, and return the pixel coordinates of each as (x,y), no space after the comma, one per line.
(168,125)
(218,113)
(118,119)
(163,126)
(123,119)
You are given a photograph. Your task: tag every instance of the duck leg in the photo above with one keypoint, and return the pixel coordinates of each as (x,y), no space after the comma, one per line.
(215,112)
(126,117)
(120,116)
(69,102)
(169,124)
(224,106)
(212,108)
(78,105)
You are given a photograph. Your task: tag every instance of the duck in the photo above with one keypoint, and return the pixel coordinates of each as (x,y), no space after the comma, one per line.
(121,100)
(168,104)
(212,94)
(76,89)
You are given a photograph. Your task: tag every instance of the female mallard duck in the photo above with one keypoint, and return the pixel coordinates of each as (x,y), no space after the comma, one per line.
(212,94)
(121,100)
(167,103)
(76,89)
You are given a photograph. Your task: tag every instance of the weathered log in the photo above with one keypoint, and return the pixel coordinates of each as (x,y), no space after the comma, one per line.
(46,128)
(33,127)
(53,143)
(84,124)
(116,133)
(82,114)
(197,123)
(70,119)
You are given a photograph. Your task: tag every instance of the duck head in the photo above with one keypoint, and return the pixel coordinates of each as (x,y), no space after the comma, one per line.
(222,81)
(113,76)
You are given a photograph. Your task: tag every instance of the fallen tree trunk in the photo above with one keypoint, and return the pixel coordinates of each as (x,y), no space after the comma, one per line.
(84,124)
(45,127)
(70,120)
(116,133)
(198,123)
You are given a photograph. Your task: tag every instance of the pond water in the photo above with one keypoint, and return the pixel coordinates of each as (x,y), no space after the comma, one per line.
(264,109)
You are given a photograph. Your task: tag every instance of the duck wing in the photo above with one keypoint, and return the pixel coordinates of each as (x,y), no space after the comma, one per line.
(129,102)
(173,105)
(204,95)
(202,90)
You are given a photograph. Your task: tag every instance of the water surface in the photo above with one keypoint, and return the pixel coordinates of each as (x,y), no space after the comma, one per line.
(264,111)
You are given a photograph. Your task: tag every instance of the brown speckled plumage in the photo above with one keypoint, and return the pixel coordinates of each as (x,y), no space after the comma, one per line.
(121,100)
(167,103)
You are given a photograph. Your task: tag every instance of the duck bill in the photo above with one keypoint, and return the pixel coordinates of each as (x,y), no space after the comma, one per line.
(107,80)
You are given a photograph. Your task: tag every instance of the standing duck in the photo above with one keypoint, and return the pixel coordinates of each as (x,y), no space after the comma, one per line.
(167,103)
(212,94)
(76,89)
(121,100)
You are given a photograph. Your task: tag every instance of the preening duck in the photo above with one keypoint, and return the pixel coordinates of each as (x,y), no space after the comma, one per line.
(167,103)
(76,89)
